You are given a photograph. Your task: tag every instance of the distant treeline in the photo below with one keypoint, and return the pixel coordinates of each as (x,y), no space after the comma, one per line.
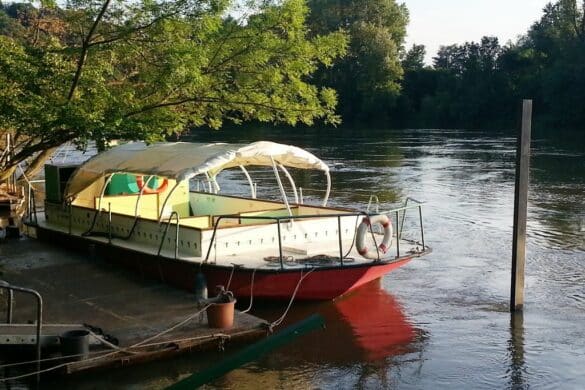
(473,85)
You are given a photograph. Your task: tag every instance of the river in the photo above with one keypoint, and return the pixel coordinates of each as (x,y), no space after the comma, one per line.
(442,321)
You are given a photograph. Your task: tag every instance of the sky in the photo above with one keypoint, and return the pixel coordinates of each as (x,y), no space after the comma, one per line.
(434,23)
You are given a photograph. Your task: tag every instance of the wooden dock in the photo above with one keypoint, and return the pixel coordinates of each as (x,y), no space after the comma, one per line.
(149,320)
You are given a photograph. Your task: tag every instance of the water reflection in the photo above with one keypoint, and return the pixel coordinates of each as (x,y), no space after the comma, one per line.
(378,325)
(365,326)
(516,352)
(368,337)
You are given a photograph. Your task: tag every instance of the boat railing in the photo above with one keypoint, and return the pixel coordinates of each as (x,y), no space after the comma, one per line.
(164,235)
(288,218)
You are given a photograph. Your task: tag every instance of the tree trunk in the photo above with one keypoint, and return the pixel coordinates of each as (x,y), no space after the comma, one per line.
(39,162)
(5,174)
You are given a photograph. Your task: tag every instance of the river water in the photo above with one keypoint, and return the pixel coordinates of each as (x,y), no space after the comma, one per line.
(441,321)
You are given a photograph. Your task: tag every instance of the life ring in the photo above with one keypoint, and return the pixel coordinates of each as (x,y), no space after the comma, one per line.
(148,190)
(362,231)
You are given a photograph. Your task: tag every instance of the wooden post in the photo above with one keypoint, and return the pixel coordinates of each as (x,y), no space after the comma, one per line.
(520,209)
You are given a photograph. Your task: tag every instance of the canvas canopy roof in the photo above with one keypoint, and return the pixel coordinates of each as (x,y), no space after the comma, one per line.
(184,160)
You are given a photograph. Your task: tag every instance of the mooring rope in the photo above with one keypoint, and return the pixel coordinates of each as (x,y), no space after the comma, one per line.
(251,292)
(227,287)
(292,298)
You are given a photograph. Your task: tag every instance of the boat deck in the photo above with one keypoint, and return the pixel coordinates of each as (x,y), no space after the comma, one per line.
(131,309)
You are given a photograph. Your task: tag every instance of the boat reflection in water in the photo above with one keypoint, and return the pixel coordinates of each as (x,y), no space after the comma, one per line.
(366,325)
(367,343)
(377,323)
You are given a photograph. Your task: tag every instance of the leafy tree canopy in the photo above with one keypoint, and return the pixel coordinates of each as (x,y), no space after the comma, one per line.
(101,70)
(369,75)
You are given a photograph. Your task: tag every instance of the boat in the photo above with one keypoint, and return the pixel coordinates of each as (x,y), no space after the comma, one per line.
(159,209)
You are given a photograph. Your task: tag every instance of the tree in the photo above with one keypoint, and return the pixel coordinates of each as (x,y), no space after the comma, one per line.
(143,69)
(368,77)
(557,46)
(414,58)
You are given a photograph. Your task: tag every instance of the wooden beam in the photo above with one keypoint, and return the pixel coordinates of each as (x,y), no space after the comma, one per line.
(520,209)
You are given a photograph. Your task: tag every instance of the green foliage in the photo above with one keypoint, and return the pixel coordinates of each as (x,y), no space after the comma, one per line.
(143,69)
(480,85)
(414,58)
(368,77)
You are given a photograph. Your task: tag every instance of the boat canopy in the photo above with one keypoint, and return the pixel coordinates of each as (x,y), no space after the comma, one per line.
(184,160)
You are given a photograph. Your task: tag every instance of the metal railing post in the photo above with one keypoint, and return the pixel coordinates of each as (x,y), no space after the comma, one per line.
(39,324)
(109,222)
(29,203)
(10,300)
(339,238)
(35,208)
(398,234)
(213,237)
(177,236)
(162,241)
(70,217)
(422,229)
(403,217)
(279,244)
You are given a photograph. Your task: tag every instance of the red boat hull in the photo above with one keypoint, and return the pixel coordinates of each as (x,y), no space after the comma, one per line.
(320,283)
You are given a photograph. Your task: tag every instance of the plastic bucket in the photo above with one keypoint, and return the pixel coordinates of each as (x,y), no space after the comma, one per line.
(75,343)
(221,315)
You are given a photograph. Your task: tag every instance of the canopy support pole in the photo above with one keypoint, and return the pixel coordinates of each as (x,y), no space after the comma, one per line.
(209,182)
(328,188)
(252,189)
(140,196)
(99,208)
(292,182)
(275,169)
(162,209)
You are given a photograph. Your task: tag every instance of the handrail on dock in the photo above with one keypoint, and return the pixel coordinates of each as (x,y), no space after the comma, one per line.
(289,218)
(7,286)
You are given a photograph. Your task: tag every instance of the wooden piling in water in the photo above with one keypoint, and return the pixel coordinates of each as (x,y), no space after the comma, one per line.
(520,209)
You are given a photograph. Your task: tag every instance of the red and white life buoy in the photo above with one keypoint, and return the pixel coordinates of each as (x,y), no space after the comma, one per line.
(148,190)
(362,231)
